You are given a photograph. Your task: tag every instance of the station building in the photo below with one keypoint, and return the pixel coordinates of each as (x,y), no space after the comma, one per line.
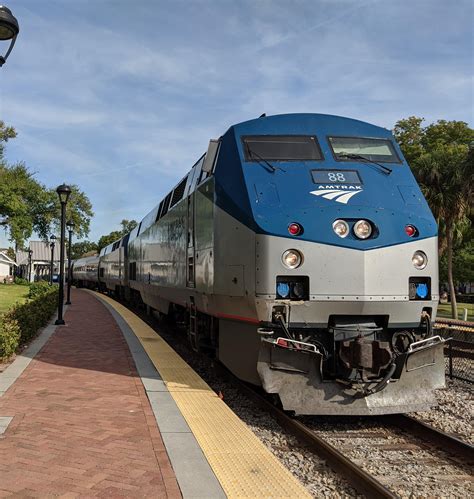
(38,267)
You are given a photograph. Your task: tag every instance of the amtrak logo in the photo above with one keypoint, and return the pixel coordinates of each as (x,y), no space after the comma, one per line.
(338,193)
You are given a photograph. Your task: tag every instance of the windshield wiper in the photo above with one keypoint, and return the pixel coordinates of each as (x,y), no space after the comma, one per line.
(385,169)
(261,161)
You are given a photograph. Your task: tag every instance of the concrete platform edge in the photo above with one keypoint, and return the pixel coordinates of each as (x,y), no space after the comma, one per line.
(194,474)
(16,368)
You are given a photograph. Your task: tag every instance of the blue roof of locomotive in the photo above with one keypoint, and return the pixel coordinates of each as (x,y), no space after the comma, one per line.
(267,202)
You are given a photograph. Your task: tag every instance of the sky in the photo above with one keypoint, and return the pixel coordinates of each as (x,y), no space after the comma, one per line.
(121,97)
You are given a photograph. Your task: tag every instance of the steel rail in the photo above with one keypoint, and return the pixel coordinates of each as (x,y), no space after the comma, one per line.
(362,481)
(438,438)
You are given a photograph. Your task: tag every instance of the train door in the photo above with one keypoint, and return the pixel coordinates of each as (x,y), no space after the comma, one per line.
(190,267)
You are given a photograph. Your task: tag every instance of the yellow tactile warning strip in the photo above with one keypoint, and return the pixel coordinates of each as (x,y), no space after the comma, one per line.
(241,463)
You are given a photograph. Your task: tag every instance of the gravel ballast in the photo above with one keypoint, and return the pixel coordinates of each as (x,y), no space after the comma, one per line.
(454,412)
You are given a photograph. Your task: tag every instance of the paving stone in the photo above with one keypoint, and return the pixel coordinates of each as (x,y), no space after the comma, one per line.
(80,423)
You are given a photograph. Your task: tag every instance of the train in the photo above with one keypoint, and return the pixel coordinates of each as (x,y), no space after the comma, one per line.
(300,252)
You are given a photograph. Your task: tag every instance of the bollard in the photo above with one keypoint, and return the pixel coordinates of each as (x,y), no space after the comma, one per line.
(464,314)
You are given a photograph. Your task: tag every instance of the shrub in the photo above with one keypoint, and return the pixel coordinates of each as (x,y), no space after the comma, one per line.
(22,322)
(38,289)
(9,338)
(21,281)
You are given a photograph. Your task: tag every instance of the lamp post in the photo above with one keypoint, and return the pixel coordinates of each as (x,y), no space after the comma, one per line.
(63,192)
(70,226)
(9,30)
(51,268)
(30,253)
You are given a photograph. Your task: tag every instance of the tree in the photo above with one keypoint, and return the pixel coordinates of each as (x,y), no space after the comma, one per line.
(109,239)
(463,265)
(78,210)
(27,206)
(127,227)
(409,134)
(6,132)
(442,158)
(11,253)
(79,249)
(415,140)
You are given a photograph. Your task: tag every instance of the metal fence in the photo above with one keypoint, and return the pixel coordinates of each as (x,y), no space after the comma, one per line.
(459,351)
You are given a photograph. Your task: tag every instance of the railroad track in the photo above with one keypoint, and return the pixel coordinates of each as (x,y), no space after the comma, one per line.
(461,454)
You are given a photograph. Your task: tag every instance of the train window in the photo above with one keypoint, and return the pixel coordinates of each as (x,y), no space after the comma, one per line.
(347,148)
(166,203)
(281,148)
(160,209)
(179,191)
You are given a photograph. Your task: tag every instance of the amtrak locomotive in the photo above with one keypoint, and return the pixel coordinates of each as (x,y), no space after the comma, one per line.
(300,250)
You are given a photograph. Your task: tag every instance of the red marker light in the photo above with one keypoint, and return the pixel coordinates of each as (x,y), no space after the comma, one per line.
(410,230)
(295,229)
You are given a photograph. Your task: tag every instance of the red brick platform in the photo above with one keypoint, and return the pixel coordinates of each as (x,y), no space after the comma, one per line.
(82,423)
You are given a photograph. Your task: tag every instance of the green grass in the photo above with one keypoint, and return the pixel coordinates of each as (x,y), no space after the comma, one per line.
(11,294)
(444,310)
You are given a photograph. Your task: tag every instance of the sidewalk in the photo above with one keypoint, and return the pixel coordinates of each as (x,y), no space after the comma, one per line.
(82,424)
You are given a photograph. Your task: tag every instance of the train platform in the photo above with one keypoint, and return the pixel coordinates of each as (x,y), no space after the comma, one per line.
(103,407)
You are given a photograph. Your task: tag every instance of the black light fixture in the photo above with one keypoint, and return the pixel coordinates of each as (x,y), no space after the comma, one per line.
(30,254)
(70,226)
(63,192)
(51,269)
(9,30)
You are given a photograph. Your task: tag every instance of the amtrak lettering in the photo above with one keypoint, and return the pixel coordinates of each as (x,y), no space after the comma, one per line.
(341,187)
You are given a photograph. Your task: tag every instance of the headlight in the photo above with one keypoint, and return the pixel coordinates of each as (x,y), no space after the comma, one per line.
(341,228)
(419,260)
(362,229)
(292,258)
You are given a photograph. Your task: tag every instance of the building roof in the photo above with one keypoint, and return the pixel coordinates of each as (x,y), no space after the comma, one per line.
(4,258)
(41,253)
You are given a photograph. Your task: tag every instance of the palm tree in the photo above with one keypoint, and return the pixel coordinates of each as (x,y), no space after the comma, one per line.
(446,176)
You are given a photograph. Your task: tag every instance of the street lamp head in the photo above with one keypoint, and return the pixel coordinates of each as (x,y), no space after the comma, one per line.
(70,225)
(52,237)
(64,192)
(9,27)
(30,252)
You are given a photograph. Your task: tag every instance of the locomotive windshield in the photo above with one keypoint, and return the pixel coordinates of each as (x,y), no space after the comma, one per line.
(371,149)
(281,148)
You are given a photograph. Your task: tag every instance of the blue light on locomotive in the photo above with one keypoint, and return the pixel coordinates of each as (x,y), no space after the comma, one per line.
(422,290)
(283,289)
